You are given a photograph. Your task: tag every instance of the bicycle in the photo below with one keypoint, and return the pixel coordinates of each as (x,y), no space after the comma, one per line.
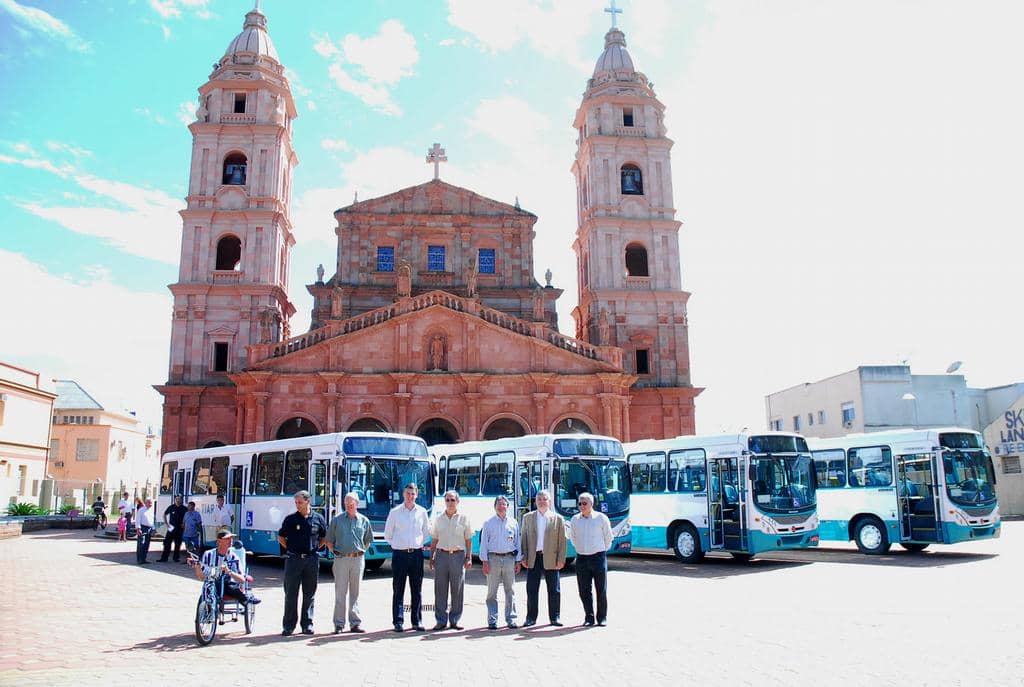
(213,610)
(99,520)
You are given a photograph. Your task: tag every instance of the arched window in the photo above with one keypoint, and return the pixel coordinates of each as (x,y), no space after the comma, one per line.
(632,181)
(503,428)
(438,431)
(296,427)
(234,170)
(367,424)
(636,261)
(229,253)
(571,425)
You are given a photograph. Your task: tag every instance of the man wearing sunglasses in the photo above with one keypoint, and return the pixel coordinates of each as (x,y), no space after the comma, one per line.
(591,534)
(451,555)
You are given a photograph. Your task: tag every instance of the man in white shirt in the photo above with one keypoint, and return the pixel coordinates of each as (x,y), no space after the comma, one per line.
(406,530)
(223,516)
(544,549)
(124,507)
(591,534)
(144,524)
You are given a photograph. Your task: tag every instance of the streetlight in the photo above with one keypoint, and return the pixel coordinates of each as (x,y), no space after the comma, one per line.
(911,397)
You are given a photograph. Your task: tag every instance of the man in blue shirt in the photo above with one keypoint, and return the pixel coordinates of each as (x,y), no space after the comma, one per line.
(499,551)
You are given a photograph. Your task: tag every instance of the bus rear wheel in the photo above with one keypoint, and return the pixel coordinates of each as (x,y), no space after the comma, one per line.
(914,548)
(871,537)
(686,544)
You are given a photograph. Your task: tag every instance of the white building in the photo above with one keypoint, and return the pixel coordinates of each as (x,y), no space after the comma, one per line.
(25,408)
(1005,438)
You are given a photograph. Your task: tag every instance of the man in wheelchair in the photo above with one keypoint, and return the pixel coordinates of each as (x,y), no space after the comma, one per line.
(224,558)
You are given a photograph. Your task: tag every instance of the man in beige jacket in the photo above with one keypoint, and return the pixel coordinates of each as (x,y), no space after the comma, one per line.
(544,546)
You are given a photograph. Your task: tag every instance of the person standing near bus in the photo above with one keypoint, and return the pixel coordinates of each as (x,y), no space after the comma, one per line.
(499,551)
(451,555)
(301,534)
(192,530)
(144,525)
(544,550)
(124,507)
(406,530)
(222,515)
(591,534)
(174,516)
(348,537)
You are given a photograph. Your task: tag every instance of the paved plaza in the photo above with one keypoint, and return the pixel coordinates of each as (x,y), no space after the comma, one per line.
(79,612)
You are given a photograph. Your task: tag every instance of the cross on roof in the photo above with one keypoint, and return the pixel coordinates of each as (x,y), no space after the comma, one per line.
(613,10)
(437,156)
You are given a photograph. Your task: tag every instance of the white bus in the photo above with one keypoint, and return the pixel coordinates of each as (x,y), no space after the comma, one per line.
(565,464)
(259,480)
(912,487)
(744,494)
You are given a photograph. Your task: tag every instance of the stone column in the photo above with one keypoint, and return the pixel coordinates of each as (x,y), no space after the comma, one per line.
(540,419)
(472,415)
(261,415)
(607,403)
(626,434)
(239,420)
(402,401)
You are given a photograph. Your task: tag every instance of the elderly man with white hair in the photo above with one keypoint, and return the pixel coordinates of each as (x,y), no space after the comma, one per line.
(348,537)
(591,534)
(451,555)
(544,550)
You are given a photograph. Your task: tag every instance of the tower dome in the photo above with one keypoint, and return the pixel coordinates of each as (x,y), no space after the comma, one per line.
(615,57)
(254,39)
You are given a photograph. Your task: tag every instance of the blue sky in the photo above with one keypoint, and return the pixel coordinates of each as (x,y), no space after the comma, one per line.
(847,173)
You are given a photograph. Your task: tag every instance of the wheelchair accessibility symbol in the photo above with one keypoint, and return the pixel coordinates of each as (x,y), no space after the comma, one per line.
(248,518)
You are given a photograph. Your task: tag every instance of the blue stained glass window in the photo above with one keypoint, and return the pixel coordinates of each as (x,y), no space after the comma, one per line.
(385,259)
(486,261)
(435,258)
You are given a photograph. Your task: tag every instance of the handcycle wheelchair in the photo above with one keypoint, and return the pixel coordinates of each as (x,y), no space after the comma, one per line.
(212,608)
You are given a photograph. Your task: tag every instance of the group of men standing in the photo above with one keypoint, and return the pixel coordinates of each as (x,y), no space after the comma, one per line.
(184,525)
(540,546)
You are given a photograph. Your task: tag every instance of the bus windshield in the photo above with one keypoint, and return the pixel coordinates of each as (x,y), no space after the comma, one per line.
(378,482)
(777,443)
(383,446)
(605,479)
(968,477)
(567,448)
(783,484)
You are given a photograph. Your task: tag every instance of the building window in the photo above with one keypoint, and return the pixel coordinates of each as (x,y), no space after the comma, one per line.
(821,417)
(810,419)
(1011,465)
(385,259)
(22,479)
(796,423)
(627,116)
(229,253)
(234,170)
(636,261)
(435,258)
(632,181)
(54,449)
(239,103)
(485,261)
(87,450)
(643,361)
(776,425)
(220,356)
(848,413)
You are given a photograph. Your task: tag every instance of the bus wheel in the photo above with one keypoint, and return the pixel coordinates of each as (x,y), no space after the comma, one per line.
(741,557)
(374,564)
(686,544)
(871,537)
(914,548)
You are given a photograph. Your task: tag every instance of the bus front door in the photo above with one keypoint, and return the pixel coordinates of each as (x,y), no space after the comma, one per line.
(917,492)
(236,478)
(523,487)
(726,512)
(179,484)
(319,481)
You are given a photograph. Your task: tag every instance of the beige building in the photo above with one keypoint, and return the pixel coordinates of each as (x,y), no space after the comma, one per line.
(25,408)
(97,450)
(1005,438)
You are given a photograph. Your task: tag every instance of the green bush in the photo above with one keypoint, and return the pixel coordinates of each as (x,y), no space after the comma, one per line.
(25,509)
(67,508)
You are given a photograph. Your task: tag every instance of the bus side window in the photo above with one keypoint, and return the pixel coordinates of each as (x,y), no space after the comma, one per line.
(463,474)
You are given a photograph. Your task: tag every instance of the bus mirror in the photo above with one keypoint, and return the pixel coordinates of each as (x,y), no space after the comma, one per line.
(992,470)
(751,472)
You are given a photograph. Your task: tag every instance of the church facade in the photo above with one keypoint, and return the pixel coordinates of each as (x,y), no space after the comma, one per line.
(433,322)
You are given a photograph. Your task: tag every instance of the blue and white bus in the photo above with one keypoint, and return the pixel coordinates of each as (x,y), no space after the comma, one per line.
(259,480)
(565,464)
(737,493)
(911,487)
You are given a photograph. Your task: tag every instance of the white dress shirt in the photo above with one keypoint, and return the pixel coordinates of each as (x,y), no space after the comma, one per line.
(590,535)
(144,516)
(222,516)
(542,526)
(124,507)
(407,528)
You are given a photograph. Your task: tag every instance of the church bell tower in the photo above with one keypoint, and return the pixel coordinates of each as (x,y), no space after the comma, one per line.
(236,230)
(627,240)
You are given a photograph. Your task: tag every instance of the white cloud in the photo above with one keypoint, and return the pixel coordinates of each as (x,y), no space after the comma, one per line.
(118,361)
(173,9)
(186,113)
(369,68)
(446,42)
(42,22)
(150,115)
(510,121)
(167,31)
(73,150)
(338,145)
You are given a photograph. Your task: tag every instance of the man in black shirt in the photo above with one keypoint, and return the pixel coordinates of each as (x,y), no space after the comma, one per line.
(301,534)
(174,516)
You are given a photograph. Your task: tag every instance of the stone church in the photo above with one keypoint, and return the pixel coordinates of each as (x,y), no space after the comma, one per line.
(433,322)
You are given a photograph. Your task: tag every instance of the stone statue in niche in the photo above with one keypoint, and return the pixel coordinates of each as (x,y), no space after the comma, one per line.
(279,109)
(267,322)
(604,329)
(201,113)
(538,305)
(547,278)
(471,278)
(404,281)
(436,353)
(320,274)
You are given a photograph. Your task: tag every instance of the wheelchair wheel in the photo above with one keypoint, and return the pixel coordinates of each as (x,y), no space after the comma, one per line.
(250,617)
(206,620)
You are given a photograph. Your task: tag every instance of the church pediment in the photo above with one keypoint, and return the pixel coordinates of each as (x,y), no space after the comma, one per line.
(434,197)
(441,339)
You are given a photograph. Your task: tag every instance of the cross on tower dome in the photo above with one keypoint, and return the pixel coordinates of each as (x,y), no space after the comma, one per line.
(613,10)
(436,155)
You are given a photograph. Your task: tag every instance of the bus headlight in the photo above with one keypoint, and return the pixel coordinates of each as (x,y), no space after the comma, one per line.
(622,529)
